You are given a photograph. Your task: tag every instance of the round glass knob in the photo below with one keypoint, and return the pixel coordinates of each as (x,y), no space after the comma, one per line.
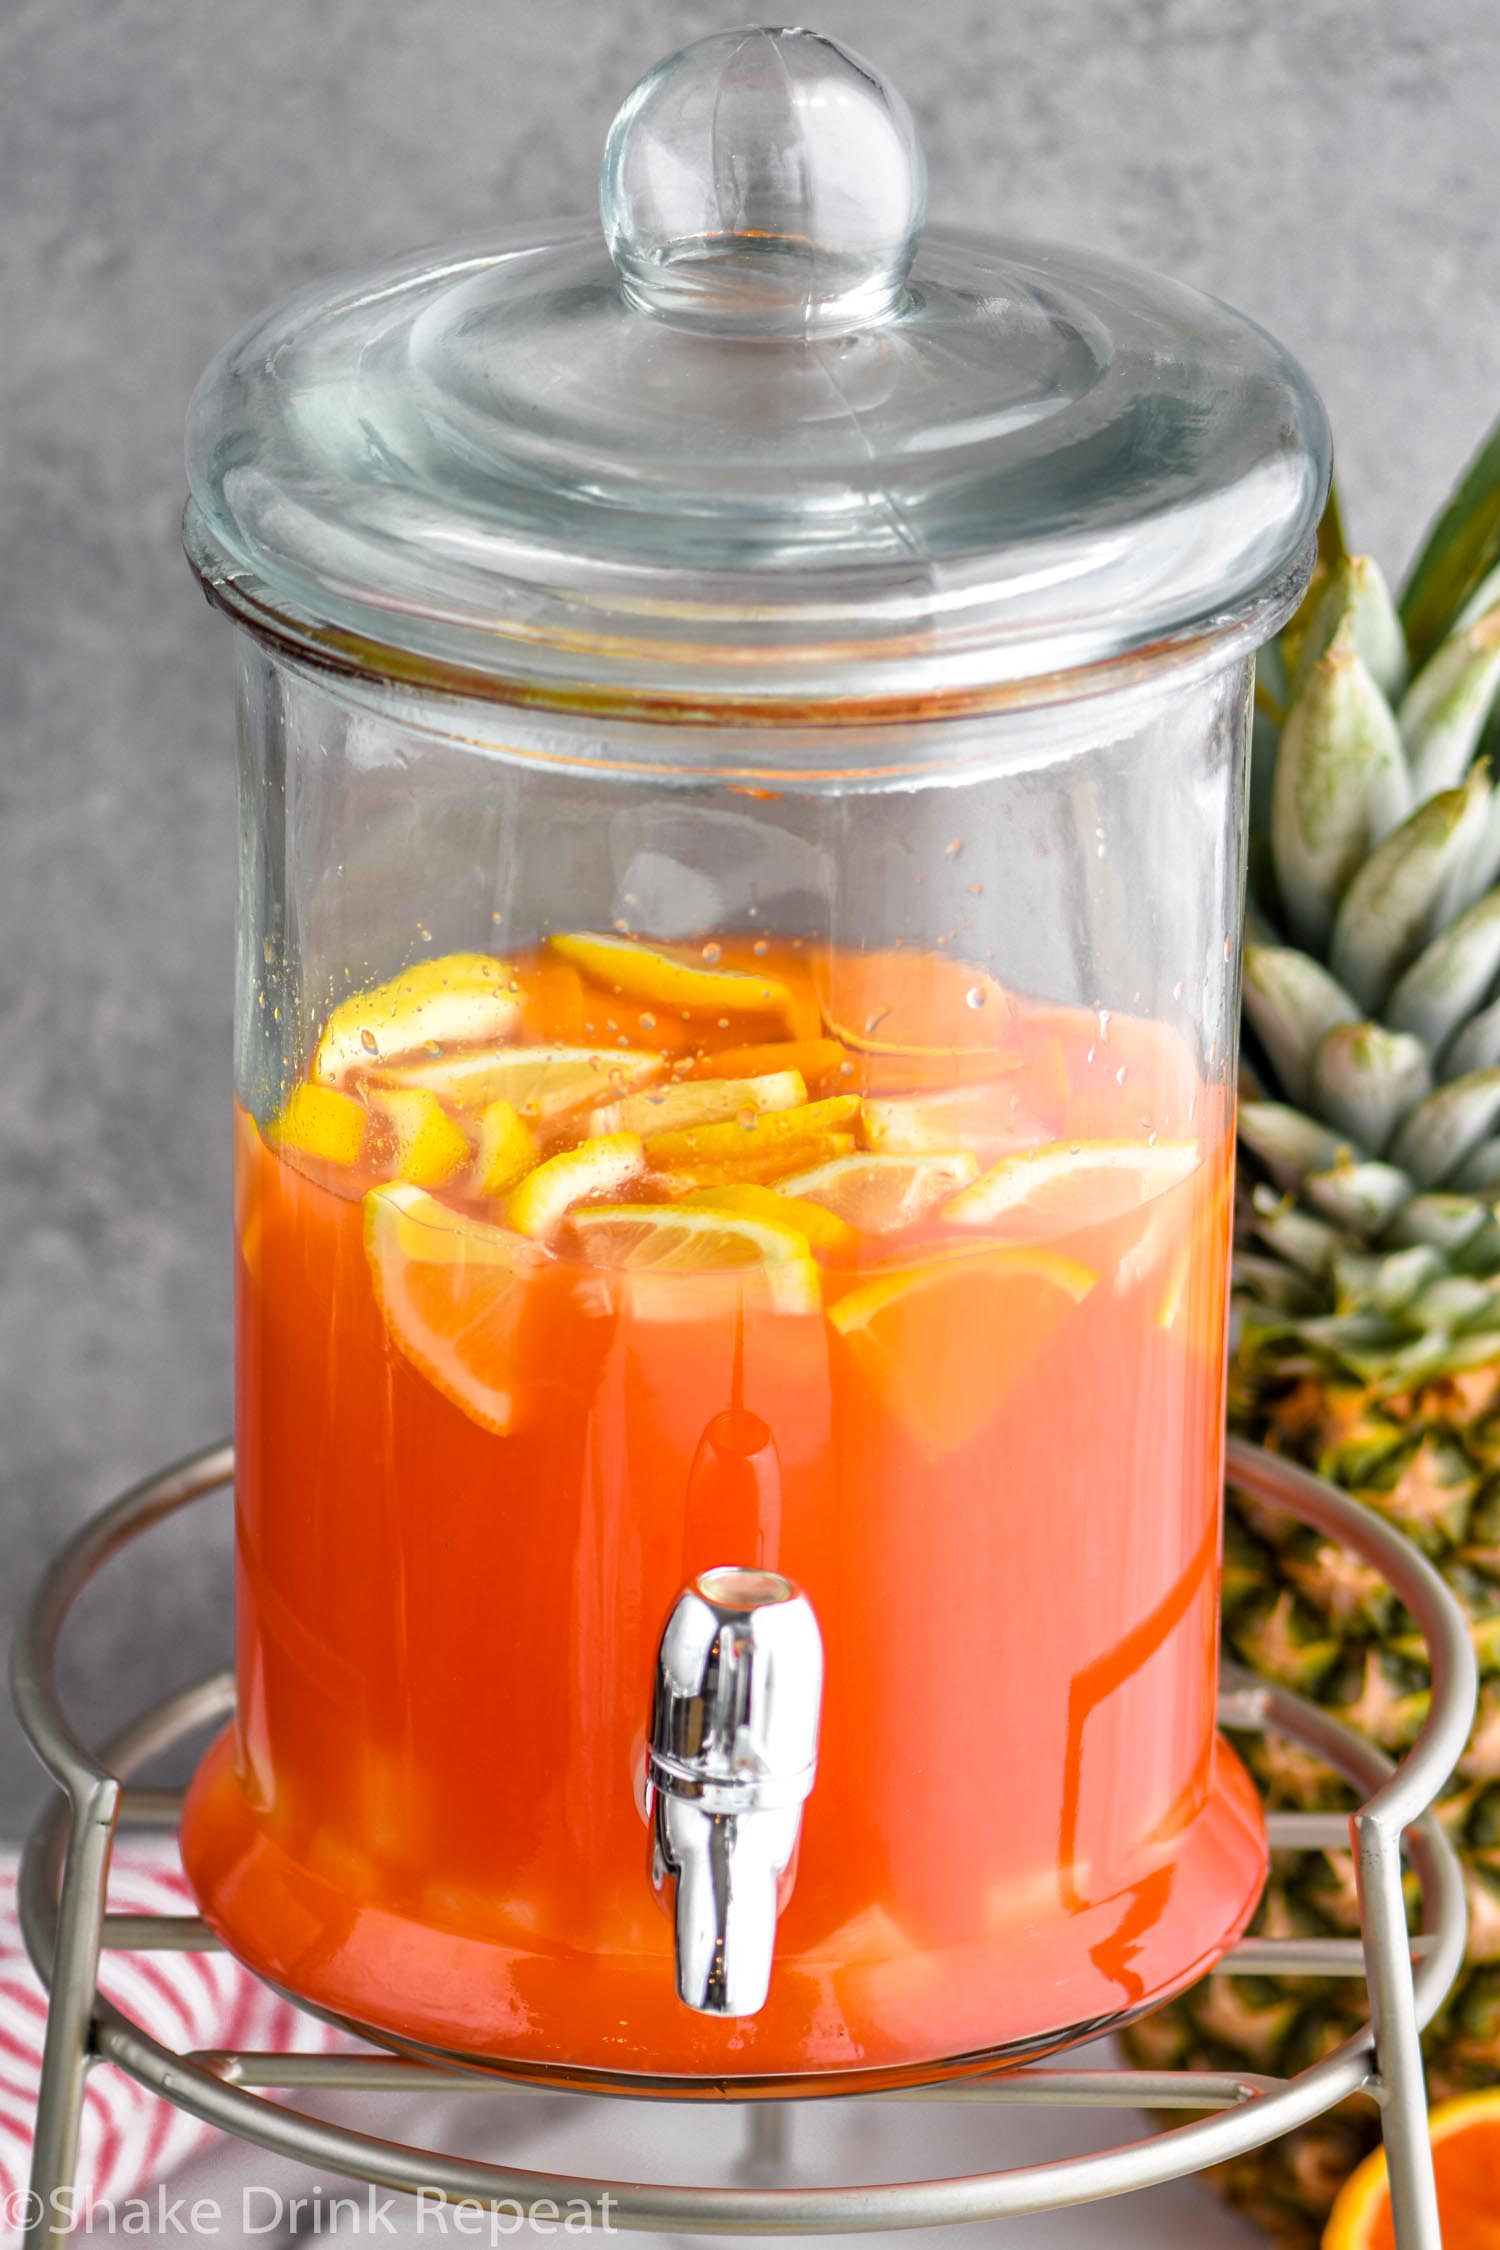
(764,182)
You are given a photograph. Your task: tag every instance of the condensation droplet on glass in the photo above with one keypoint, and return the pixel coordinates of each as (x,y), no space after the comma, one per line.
(267,951)
(368,1041)
(434,1048)
(622,1041)
(648,1022)
(976,890)
(747,1118)
(761,945)
(874,1021)
(514,985)
(621,925)
(955,847)
(712,953)
(596,1062)
(976,996)
(424,933)
(496,916)
(1229,949)
(617,1079)
(610,1024)
(1178,989)
(753,912)
(1103,1023)
(723,1023)
(846,1068)
(1121,1075)
(1090,1054)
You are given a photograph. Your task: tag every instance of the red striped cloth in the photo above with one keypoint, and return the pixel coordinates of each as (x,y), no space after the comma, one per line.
(131,2138)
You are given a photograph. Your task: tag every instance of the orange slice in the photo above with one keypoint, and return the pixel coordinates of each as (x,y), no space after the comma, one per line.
(544,1198)
(821,1228)
(770,1160)
(694,1101)
(1072,1184)
(452,1293)
(878,1194)
(733,1141)
(648,1239)
(319,1121)
(942,1345)
(646,972)
(540,1082)
(459,997)
(1466,2158)
(507,1148)
(430,1147)
(822,1063)
(890,1002)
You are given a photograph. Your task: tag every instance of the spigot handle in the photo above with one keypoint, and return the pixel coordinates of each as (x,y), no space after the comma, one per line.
(731,1759)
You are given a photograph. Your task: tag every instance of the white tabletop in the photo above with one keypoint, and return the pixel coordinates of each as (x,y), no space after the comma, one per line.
(251,2196)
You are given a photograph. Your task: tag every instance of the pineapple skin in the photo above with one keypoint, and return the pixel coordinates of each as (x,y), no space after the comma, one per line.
(1367,1280)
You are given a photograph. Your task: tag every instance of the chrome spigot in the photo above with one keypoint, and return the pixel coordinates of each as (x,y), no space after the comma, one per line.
(731,1758)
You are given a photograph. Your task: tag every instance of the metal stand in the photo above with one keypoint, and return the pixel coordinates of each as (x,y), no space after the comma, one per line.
(65,1923)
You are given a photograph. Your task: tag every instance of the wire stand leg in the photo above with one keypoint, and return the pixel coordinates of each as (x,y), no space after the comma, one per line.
(66,2052)
(1403,2087)
(767,2140)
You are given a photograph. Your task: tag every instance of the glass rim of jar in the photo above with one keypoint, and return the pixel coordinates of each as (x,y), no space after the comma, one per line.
(645,720)
(858,746)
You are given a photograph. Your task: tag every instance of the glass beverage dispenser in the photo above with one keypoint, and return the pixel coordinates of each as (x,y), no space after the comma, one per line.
(743,725)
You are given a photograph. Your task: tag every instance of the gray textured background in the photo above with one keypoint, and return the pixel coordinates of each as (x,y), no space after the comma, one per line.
(166,168)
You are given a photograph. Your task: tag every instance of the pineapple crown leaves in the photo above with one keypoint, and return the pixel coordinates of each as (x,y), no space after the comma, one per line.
(1372,975)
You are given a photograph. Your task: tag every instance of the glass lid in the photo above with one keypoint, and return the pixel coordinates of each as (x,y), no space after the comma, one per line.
(761,445)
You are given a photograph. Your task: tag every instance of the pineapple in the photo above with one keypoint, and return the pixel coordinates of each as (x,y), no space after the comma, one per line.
(1367,1274)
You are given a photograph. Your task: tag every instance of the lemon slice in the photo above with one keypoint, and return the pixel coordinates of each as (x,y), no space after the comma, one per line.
(507,1149)
(462,996)
(430,1147)
(649,1239)
(599,1167)
(952,1117)
(820,1228)
(540,1082)
(878,1194)
(941,1346)
(1073,1184)
(643,972)
(663,1109)
(452,1293)
(733,1141)
(322,1122)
